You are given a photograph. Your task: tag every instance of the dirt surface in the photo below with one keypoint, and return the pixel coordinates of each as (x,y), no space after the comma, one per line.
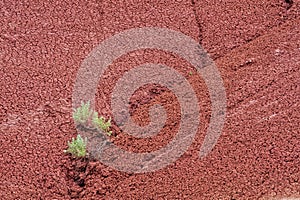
(256,47)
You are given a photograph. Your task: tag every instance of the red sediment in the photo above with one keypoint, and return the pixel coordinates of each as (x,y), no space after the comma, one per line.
(255,46)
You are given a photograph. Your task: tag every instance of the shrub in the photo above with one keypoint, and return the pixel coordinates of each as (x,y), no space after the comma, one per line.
(101,124)
(82,114)
(77,147)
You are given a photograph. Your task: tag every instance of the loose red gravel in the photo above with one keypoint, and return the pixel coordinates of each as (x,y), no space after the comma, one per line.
(256,47)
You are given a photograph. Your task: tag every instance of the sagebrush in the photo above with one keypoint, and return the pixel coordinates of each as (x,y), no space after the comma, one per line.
(77,147)
(102,124)
(82,114)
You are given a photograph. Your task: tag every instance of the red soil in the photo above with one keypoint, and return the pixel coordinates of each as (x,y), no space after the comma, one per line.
(256,47)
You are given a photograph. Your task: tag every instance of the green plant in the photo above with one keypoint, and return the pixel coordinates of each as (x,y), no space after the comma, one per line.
(101,123)
(77,147)
(82,114)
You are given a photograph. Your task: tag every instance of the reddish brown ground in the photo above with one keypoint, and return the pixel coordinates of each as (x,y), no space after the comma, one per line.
(255,45)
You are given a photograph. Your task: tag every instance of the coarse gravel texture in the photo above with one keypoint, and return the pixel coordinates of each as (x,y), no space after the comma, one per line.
(254,44)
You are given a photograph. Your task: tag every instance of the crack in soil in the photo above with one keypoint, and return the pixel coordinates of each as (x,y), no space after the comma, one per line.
(76,175)
(256,92)
(281,23)
(200,36)
(215,57)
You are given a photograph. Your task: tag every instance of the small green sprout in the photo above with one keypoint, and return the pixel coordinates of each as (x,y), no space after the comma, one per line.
(77,147)
(190,73)
(82,114)
(102,124)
